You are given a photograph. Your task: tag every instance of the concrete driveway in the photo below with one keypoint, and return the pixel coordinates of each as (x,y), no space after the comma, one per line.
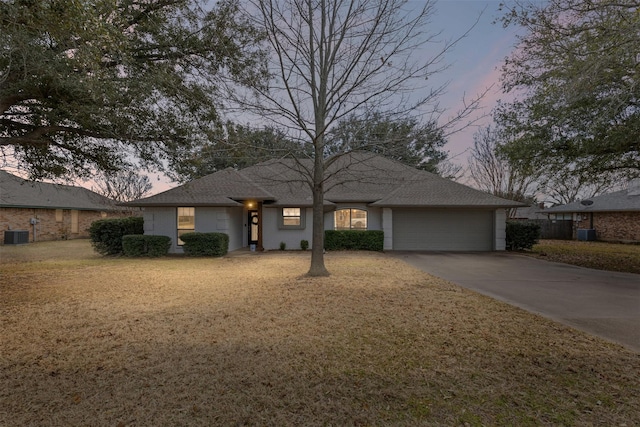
(603,303)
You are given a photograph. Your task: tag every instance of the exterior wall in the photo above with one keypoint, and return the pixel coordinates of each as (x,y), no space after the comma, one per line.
(611,226)
(235,223)
(387,228)
(51,227)
(500,230)
(162,221)
(221,220)
(272,235)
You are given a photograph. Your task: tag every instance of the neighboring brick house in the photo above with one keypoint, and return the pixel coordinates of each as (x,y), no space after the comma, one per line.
(58,211)
(615,217)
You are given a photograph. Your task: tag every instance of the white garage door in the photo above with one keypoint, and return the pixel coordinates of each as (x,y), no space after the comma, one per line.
(442,230)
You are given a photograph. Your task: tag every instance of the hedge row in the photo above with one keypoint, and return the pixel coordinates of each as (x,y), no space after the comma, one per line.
(205,244)
(521,235)
(106,234)
(369,240)
(137,245)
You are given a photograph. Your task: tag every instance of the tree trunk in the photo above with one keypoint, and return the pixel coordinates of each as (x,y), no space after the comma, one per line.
(317,247)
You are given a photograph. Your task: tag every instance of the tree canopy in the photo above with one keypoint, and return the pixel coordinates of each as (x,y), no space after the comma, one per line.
(404,139)
(236,146)
(99,84)
(576,79)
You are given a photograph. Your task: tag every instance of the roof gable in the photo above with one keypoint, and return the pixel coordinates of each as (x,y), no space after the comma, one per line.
(222,188)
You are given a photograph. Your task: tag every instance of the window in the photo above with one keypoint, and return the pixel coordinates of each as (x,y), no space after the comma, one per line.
(561,216)
(58,215)
(351,219)
(186,222)
(291,218)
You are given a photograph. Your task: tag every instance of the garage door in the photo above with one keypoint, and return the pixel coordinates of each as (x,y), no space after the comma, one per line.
(442,230)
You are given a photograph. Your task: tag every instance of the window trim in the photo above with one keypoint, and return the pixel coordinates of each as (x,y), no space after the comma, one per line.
(301,217)
(366,218)
(181,230)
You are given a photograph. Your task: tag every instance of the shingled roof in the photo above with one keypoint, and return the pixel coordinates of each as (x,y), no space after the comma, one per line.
(16,192)
(620,201)
(222,188)
(356,177)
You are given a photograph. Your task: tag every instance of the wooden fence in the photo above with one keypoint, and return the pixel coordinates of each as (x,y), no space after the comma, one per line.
(552,229)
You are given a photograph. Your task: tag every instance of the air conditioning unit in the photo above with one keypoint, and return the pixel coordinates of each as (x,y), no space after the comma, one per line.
(586,234)
(16,237)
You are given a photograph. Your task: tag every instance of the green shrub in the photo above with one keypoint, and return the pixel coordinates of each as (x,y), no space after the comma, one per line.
(106,234)
(157,245)
(133,245)
(369,240)
(521,235)
(205,244)
(283,246)
(136,245)
(304,245)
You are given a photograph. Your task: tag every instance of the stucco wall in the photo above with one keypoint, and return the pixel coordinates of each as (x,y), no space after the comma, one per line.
(48,227)
(272,235)
(611,226)
(162,221)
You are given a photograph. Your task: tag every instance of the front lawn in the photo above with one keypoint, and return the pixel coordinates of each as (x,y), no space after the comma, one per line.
(598,255)
(249,341)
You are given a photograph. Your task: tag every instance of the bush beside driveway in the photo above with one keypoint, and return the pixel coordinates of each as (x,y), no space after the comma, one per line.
(88,340)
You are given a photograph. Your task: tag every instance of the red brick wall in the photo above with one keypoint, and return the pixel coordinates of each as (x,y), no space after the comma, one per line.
(612,226)
(48,228)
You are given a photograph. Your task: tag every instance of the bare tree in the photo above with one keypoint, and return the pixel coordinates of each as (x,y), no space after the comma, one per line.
(494,173)
(338,58)
(567,186)
(122,186)
(448,169)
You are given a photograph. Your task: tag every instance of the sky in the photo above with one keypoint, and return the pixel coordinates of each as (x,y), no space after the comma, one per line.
(474,65)
(475,62)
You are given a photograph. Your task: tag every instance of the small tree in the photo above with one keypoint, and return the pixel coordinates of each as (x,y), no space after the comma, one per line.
(122,186)
(494,173)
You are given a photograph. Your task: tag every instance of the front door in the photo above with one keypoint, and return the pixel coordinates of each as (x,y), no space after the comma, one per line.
(253,227)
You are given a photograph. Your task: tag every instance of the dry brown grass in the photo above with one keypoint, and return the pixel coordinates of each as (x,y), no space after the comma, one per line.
(249,341)
(599,255)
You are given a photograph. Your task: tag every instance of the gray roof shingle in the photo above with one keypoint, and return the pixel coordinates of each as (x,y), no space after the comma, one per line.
(355,177)
(619,201)
(16,192)
(222,188)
